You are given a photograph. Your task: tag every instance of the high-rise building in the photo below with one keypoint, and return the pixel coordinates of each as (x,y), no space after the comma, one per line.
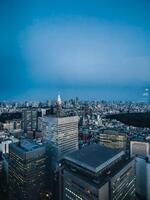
(61,133)
(60,130)
(97,172)
(143,177)
(29,120)
(139,148)
(27,171)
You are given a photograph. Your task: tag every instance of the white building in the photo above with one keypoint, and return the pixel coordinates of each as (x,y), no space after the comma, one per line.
(139,148)
(4,143)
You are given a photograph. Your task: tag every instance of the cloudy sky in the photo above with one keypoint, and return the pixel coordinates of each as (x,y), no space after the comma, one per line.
(88,48)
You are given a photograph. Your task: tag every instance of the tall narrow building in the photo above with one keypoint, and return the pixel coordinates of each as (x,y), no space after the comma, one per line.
(61,133)
(61,130)
(27,171)
(29,120)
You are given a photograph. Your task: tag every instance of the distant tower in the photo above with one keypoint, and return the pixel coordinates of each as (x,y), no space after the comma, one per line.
(59,99)
(59,105)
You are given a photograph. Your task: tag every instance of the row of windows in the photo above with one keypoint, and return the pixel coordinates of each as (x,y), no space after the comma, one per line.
(74,194)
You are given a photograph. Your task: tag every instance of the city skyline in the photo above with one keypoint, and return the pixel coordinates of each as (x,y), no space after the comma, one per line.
(91,49)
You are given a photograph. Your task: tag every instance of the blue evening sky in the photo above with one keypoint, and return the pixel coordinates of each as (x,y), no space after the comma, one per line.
(88,48)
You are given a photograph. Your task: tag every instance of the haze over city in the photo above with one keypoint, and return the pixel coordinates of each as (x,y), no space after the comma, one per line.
(91,49)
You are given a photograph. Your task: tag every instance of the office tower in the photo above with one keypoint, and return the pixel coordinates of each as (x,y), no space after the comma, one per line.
(97,172)
(27,171)
(139,148)
(62,132)
(29,120)
(143,177)
(112,139)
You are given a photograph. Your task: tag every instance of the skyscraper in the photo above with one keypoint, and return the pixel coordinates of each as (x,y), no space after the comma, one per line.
(97,172)
(61,133)
(27,171)
(29,120)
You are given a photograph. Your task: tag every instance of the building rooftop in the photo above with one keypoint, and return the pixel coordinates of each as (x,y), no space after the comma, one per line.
(94,157)
(27,149)
(28,145)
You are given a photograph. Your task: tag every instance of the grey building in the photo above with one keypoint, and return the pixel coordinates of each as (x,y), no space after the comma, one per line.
(27,171)
(97,172)
(29,120)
